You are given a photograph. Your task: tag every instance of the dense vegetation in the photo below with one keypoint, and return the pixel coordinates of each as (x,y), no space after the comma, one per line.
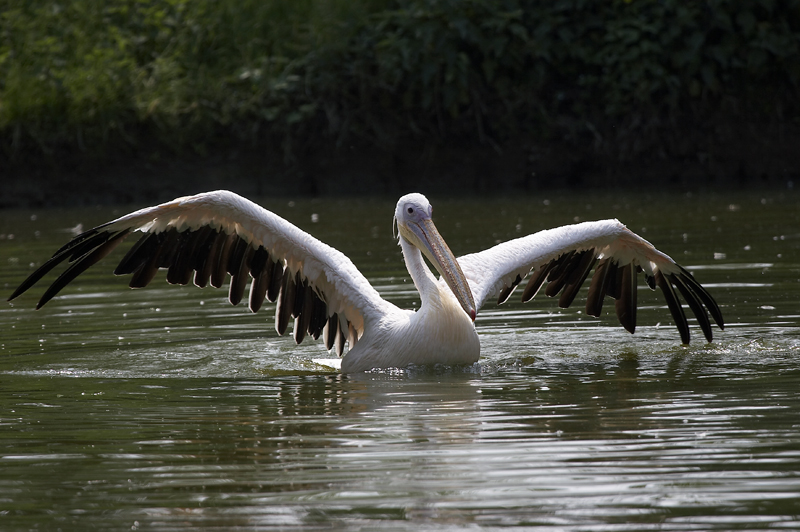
(89,77)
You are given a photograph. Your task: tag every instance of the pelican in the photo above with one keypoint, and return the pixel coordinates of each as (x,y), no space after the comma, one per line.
(205,237)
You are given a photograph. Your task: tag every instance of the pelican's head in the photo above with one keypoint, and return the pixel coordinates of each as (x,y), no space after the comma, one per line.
(414,223)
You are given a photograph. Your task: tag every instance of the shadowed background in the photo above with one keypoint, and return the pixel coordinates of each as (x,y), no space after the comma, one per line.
(144,100)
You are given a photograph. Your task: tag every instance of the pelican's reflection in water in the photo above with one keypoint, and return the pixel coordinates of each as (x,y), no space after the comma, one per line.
(412,405)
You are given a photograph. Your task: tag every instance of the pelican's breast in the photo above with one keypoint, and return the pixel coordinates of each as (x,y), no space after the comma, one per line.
(440,332)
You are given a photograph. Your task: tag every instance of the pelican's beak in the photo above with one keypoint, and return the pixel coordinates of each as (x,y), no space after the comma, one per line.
(426,237)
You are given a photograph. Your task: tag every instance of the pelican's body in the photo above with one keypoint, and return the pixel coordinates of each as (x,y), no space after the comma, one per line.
(439,331)
(207,236)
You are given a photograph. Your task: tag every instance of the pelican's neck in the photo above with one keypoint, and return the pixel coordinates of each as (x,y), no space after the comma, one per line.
(420,273)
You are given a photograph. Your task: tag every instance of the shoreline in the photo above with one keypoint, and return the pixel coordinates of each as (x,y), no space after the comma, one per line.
(747,161)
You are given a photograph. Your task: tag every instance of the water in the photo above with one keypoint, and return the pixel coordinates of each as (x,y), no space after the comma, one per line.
(167,409)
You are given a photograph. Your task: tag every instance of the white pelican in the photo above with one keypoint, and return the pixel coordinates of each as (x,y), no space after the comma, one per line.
(208,236)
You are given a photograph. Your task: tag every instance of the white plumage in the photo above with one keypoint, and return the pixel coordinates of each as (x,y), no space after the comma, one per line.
(208,236)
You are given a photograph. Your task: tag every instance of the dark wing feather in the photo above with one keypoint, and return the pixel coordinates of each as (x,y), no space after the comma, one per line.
(80,264)
(340,338)
(597,288)
(703,295)
(694,304)
(285,303)
(138,254)
(182,267)
(583,265)
(330,330)
(303,314)
(614,283)
(319,317)
(58,257)
(508,290)
(536,280)
(157,251)
(237,255)
(220,268)
(88,244)
(299,295)
(625,305)
(261,277)
(674,306)
(240,277)
(558,277)
(275,282)
(208,258)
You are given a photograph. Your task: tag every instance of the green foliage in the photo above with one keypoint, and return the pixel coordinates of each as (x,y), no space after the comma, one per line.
(188,73)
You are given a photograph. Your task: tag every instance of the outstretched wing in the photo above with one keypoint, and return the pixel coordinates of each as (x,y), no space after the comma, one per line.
(564,257)
(207,236)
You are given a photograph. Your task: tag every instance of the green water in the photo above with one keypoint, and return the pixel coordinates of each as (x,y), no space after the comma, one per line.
(168,409)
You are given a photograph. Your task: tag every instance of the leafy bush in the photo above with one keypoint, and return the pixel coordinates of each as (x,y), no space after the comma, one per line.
(183,74)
